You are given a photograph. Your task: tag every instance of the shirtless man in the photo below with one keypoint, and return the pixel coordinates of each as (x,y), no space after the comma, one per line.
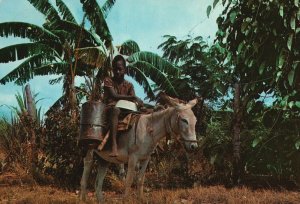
(117,88)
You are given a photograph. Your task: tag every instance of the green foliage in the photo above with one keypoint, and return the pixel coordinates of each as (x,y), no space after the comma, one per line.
(95,15)
(64,10)
(62,157)
(198,64)
(271,151)
(263,46)
(129,47)
(217,145)
(16,135)
(274,150)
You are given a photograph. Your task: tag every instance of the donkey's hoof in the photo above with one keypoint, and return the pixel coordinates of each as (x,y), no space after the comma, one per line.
(142,199)
(82,198)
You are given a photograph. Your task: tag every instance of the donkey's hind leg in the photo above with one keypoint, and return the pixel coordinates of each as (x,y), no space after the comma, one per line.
(101,172)
(88,162)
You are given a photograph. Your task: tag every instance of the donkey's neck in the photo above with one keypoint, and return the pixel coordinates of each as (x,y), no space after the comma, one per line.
(158,122)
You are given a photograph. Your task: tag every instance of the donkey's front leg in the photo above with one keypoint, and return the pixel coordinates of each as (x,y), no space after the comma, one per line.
(140,178)
(101,172)
(87,161)
(130,174)
(122,172)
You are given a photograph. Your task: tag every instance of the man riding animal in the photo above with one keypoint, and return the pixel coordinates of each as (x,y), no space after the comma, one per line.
(117,88)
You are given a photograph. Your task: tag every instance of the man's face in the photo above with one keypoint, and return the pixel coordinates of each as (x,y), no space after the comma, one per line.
(119,70)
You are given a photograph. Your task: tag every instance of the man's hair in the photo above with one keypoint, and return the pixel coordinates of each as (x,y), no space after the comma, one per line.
(116,59)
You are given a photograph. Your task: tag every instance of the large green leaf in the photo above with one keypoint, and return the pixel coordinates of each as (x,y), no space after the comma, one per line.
(94,56)
(281,10)
(293,21)
(156,75)
(25,71)
(256,141)
(155,60)
(107,7)
(141,78)
(291,77)
(74,30)
(24,50)
(215,3)
(208,10)
(97,19)
(26,30)
(297,144)
(46,8)
(281,59)
(52,68)
(129,47)
(65,11)
(233,15)
(290,41)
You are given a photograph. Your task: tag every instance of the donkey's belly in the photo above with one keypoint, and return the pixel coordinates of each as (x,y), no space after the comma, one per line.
(120,159)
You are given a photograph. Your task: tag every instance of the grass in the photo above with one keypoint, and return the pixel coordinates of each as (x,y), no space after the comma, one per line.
(17,187)
(212,194)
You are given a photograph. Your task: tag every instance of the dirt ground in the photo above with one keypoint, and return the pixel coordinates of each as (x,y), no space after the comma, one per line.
(12,193)
(20,189)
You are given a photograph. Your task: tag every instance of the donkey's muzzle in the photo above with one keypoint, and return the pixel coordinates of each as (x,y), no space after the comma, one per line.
(193,146)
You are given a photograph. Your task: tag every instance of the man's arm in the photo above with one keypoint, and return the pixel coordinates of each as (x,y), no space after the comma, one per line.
(111,92)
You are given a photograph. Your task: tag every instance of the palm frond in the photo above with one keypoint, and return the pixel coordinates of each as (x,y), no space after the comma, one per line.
(171,40)
(45,69)
(56,80)
(156,75)
(107,7)
(65,11)
(46,9)
(129,47)
(24,50)
(94,56)
(71,28)
(97,19)
(26,30)
(21,103)
(39,115)
(156,61)
(24,71)
(141,78)
(56,105)
(52,68)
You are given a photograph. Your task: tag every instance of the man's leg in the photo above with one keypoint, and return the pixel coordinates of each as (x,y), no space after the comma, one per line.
(115,112)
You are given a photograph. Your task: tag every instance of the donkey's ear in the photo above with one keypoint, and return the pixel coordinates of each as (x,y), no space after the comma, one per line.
(192,103)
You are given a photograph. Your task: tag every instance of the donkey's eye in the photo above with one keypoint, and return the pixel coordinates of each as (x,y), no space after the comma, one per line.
(184,120)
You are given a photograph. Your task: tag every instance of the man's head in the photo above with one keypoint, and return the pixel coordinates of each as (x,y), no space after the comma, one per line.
(119,67)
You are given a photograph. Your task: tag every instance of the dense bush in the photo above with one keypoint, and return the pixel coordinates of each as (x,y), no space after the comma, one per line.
(268,151)
(62,157)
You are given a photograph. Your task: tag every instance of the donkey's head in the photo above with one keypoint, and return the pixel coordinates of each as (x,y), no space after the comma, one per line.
(183,122)
(186,125)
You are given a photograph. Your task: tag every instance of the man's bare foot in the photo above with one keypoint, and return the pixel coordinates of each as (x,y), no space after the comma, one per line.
(114,154)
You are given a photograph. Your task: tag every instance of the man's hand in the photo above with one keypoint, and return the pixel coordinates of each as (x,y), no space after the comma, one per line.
(139,102)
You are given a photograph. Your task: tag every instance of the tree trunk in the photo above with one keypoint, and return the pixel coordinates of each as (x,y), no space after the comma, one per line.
(31,110)
(70,96)
(236,141)
(73,101)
